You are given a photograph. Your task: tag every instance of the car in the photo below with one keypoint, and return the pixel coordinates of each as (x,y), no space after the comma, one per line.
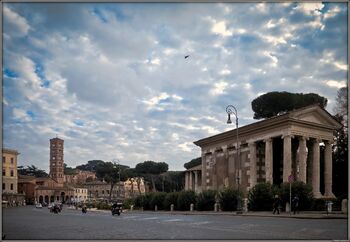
(38,205)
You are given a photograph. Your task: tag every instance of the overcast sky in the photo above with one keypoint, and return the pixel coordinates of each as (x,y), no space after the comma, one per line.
(112,80)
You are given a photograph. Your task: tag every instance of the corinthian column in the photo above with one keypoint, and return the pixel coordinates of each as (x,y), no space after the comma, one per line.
(252,151)
(302,159)
(268,160)
(328,170)
(287,157)
(316,168)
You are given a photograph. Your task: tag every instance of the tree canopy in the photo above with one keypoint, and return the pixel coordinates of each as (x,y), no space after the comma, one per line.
(31,171)
(340,147)
(90,166)
(69,170)
(151,169)
(193,163)
(275,103)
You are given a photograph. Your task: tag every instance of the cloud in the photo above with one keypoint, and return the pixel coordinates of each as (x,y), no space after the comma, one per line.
(112,81)
(15,25)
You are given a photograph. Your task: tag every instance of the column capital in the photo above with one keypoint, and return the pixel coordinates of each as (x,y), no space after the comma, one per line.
(268,139)
(328,142)
(317,140)
(287,136)
(303,138)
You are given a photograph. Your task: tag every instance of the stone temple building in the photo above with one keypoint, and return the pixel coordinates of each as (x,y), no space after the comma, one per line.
(296,145)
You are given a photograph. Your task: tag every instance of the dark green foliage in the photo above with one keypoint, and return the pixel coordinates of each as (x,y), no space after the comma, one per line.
(185,199)
(90,166)
(319,204)
(304,192)
(170,198)
(170,181)
(146,202)
(31,171)
(193,163)
(103,206)
(151,169)
(274,103)
(138,201)
(158,199)
(228,199)
(206,200)
(260,197)
(340,148)
(69,170)
(127,203)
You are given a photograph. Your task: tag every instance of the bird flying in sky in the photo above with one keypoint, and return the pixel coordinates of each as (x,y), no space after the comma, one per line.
(186,56)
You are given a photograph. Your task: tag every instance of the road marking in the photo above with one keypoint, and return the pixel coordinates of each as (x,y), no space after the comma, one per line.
(200,223)
(173,220)
(148,218)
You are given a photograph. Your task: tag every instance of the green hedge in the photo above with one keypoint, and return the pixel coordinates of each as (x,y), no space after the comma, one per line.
(170,198)
(304,192)
(185,199)
(157,199)
(260,197)
(206,200)
(228,199)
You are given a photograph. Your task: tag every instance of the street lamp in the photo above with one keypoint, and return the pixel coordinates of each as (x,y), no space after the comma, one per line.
(230,109)
(118,184)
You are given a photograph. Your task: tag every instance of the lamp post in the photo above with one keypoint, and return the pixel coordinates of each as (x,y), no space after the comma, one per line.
(118,184)
(230,109)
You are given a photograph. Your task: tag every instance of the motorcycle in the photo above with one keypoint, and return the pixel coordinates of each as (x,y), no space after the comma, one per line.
(84,210)
(116,210)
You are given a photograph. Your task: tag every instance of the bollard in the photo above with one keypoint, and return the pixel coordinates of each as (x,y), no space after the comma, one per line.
(216,207)
(287,208)
(156,208)
(131,207)
(329,207)
(172,207)
(245,205)
(344,206)
(191,207)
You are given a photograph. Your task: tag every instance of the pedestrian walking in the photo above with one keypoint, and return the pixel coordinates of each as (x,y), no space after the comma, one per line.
(276,204)
(295,204)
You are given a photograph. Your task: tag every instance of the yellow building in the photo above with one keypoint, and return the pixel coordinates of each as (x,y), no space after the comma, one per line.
(10,196)
(9,171)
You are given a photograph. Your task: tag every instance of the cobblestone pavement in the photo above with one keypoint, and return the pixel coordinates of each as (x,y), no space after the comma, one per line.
(31,223)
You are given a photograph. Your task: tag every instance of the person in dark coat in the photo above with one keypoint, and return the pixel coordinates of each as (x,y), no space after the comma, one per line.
(276,204)
(295,204)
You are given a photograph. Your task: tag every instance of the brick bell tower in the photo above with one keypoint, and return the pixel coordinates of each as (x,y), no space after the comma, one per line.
(56,160)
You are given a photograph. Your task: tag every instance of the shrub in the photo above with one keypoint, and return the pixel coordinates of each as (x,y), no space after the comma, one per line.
(206,200)
(304,192)
(157,199)
(127,203)
(228,199)
(170,198)
(260,197)
(146,203)
(138,201)
(103,206)
(319,204)
(185,199)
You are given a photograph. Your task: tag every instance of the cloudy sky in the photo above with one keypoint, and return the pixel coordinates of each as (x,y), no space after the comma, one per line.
(112,80)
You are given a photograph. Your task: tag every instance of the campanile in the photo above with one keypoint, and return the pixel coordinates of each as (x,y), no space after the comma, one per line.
(56,160)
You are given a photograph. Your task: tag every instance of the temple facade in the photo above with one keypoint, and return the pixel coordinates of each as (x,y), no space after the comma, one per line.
(295,146)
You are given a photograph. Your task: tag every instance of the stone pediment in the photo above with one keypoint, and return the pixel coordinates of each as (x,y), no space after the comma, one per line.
(315,114)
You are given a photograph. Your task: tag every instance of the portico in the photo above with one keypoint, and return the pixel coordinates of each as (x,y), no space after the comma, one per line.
(297,143)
